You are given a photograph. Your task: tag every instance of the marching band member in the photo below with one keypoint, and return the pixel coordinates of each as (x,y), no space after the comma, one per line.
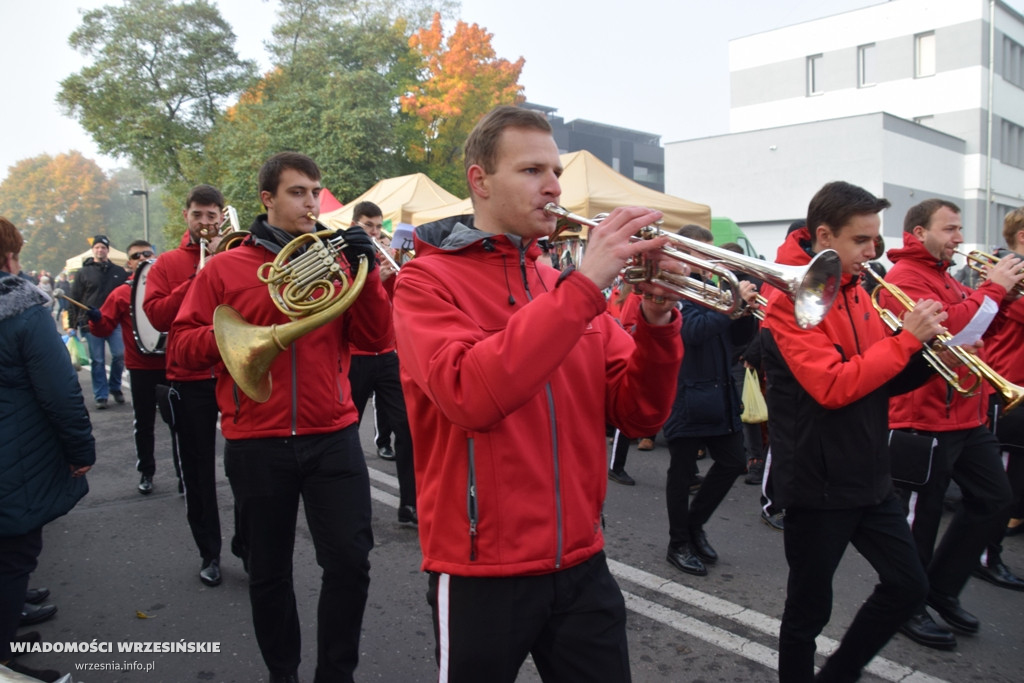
(828,393)
(511,372)
(304,440)
(146,370)
(193,402)
(966,450)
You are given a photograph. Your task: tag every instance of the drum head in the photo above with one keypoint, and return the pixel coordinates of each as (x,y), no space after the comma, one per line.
(149,340)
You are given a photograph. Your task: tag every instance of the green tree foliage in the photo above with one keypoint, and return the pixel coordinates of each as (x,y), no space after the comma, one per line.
(58,203)
(340,67)
(161,72)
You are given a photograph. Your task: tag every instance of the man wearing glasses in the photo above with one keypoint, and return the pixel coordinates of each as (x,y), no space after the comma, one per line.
(145,370)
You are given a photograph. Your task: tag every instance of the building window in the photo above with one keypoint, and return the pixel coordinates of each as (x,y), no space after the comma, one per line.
(924,54)
(1013,62)
(1011,144)
(866,65)
(814,75)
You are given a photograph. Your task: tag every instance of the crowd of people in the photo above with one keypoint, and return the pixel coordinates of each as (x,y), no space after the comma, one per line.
(499,376)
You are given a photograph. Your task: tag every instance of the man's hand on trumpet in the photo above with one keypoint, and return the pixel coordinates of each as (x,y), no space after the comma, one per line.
(609,247)
(925,321)
(1006,272)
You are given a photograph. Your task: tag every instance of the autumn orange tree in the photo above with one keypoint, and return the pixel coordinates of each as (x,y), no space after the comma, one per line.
(461,79)
(57,202)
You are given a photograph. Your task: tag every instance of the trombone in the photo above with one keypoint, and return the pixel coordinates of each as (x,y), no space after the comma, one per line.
(1012,394)
(813,287)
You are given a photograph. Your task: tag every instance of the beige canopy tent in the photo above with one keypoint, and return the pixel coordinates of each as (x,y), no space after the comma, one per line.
(398,198)
(590,187)
(75,262)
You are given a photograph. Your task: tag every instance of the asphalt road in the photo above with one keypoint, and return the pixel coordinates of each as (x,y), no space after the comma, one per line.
(122,568)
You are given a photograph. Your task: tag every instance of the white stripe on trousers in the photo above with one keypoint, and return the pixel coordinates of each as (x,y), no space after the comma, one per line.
(443,591)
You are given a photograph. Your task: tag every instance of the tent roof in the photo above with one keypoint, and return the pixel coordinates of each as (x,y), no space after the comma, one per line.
(398,198)
(75,262)
(590,187)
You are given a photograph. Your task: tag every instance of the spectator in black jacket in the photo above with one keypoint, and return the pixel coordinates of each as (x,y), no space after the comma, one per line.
(93,283)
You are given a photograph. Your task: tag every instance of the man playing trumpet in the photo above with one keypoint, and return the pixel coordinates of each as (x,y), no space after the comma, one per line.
(966,450)
(510,372)
(303,441)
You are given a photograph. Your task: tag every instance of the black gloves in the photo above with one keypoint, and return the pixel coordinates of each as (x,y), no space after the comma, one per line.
(94,315)
(358,243)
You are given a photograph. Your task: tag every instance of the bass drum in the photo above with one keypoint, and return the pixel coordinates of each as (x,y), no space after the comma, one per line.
(150,340)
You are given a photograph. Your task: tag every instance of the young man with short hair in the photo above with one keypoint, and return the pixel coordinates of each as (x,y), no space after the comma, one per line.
(303,441)
(511,372)
(192,397)
(828,393)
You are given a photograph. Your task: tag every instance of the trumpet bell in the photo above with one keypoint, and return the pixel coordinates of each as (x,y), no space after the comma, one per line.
(814,288)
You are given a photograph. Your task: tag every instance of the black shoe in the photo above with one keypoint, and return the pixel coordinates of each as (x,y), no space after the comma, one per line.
(284,678)
(210,573)
(923,630)
(685,561)
(118,396)
(952,613)
(621,478)
(28,637)
(999,574)
(48,675)
(695,483)
(36,614)
(700,546)
(145,485)
(407,516)
(775,521)
(101,403)
(755,473)
(34,596)
(385,453)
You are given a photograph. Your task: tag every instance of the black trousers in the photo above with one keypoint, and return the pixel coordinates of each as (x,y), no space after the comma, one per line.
(620,449)
(573,622)
(328,471)
(195,422)
(18,555)
(971,458)
(815,541)
(382,430)
(1009,431)
(144,407)
(729,462)
(379,375)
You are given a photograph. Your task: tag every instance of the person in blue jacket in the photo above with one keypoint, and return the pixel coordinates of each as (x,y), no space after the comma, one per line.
(45,431)
(705,414)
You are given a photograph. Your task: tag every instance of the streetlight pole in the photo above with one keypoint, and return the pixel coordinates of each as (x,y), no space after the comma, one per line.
(145,210)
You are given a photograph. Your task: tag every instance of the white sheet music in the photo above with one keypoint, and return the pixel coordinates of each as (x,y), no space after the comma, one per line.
(979,323)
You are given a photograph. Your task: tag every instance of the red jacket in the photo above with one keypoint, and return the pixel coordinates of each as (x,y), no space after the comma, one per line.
(116,311)
(935,406)
(168,281)
(310,391)
(828,390)
(1004,351)
(510,377)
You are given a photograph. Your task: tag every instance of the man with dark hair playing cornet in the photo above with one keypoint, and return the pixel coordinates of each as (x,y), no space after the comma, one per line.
(828,391)
(300,438)
(965,450)
(193,403)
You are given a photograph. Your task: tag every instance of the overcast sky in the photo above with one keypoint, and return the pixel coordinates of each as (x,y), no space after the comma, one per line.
(656,66)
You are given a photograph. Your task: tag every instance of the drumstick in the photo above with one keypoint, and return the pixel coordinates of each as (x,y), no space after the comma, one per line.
(59,294)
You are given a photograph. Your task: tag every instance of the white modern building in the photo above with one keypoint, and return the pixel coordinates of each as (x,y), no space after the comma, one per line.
(908,98)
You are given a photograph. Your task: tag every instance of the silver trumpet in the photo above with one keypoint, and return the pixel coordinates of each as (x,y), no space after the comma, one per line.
(229,226)
(813,288)
(382,250)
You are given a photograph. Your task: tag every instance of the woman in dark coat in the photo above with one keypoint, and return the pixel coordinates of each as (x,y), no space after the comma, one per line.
(46,442)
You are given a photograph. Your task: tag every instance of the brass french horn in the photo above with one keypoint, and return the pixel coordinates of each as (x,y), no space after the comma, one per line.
(312,289)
